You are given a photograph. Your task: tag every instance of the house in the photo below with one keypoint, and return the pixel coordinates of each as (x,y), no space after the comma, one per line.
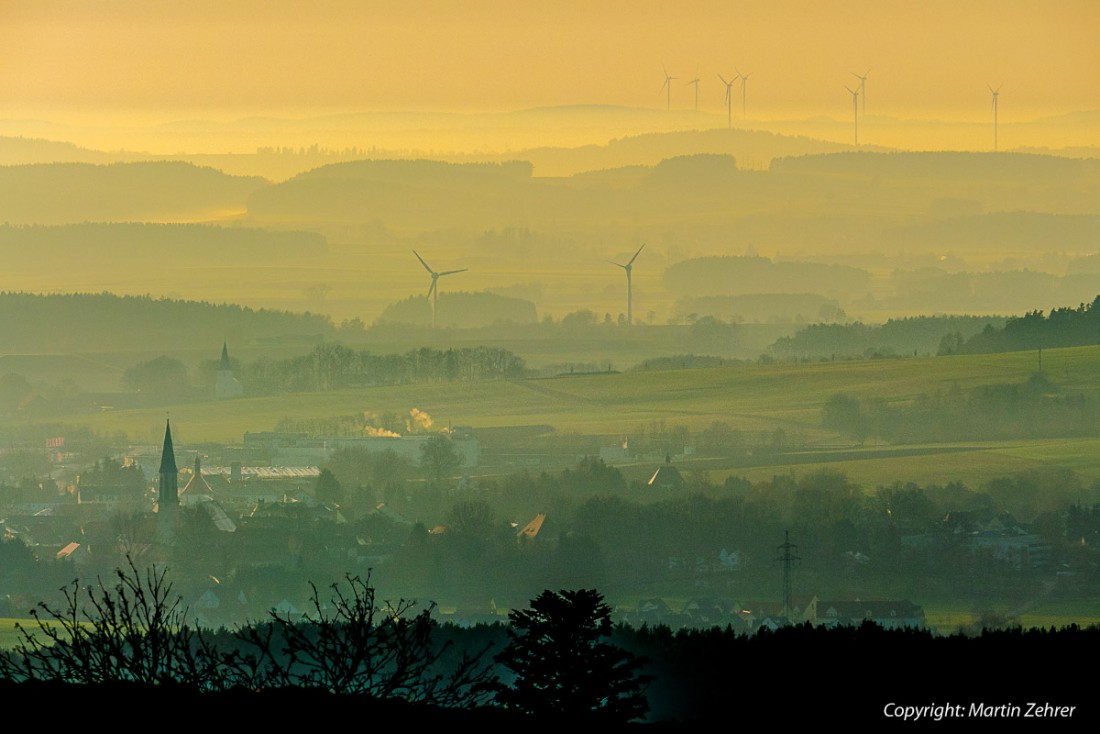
(896,614)
(667,477)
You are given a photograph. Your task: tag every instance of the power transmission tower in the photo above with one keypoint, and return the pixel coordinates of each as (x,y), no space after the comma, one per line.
(787,557)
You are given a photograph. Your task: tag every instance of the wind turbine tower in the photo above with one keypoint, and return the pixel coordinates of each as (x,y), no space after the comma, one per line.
(695,81)
(995,93)
(729,100)
(744,78)
(855,111)
(433,291)
(668,86)
(863,87)
(629,293)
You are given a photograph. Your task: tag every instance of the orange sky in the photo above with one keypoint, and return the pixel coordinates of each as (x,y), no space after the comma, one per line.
(928,58)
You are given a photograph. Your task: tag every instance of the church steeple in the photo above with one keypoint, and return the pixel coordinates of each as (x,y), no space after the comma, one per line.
(167,454)
(169,474)
(168,497)
(227,386)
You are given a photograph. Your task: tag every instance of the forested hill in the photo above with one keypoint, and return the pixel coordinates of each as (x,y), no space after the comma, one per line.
(62,193)
(1063,327)
(138,244)
(919,334)
(101,322)
(1001,167)
(396,192)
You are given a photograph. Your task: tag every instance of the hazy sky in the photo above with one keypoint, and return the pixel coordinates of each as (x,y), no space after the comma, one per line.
(926,57)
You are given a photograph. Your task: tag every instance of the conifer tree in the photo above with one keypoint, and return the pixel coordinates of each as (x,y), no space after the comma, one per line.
(564,666)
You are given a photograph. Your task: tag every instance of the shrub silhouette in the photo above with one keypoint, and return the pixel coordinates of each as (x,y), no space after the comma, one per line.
(355,643)
(135,631)
(132,631)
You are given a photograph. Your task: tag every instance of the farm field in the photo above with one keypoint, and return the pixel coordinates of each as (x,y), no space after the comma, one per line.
(947,617)
(9,635)
(969,463)
(762,394)
(751,397)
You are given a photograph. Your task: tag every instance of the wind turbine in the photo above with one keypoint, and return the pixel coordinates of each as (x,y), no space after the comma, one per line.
(433,291)
(695,81)
(863,87)
(729,100)
(995,92)
(744,78)
(855,111)
(668,86)
(629,293)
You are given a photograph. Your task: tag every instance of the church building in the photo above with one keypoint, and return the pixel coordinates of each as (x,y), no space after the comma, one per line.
(227,385)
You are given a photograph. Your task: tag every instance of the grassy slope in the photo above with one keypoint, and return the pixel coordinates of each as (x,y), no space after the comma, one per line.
(748,396)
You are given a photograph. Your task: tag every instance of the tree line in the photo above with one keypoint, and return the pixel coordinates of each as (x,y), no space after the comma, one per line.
(328,366)
(1035,408)
(103,321)
(1062,327)
(896,337)
(560,660)
(553,661)
(332,366)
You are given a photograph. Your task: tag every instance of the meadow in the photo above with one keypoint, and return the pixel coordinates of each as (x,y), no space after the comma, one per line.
(751,397)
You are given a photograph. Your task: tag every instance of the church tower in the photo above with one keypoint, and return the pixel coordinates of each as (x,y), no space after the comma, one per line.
(227,386)
(168,496)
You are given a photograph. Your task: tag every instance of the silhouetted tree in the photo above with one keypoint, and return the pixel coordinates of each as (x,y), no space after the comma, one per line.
(328,488)
(163,378)
(564,666)
(134,631)
(438,457)
(357,643)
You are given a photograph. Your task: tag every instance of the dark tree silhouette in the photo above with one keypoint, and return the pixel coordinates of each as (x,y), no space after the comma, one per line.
(357,643)
(328,488)
(163,378)
(564,666)
(134,631)
(439,458)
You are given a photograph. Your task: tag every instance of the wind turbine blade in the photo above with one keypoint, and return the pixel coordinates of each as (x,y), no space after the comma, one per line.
(422,262)
(452,272)
(724,81)
(617,264)
(431,290)
(636,255)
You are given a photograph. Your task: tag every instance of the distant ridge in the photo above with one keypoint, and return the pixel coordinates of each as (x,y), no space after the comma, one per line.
(91,322)
(62,193)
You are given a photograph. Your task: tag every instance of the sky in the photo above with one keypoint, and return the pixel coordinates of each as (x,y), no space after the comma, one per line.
(161,59)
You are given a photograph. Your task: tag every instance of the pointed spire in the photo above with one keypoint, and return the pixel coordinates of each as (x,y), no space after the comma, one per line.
(167,454)
(225,357)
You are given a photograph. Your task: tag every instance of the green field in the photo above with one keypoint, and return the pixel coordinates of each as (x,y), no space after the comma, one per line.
(9,636)
(947,617)
(750,397)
